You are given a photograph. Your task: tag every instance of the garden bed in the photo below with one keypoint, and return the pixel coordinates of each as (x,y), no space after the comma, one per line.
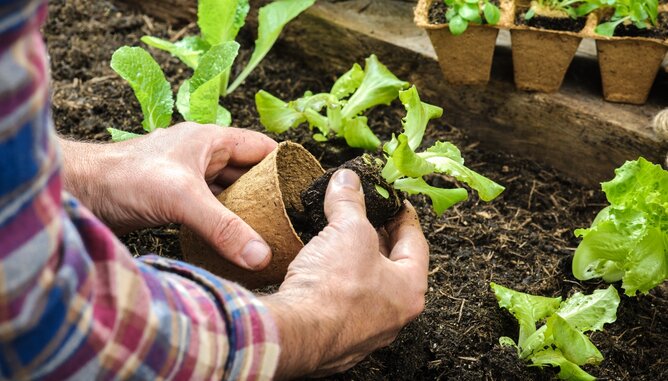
(522,240)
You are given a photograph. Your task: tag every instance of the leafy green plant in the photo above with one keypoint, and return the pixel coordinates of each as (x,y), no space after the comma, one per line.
(354,93)
(211,57)
(462,12)
(561,341)
(628,239)
(404,168)
(547,7)
(641,13)
(218,24)
(197,99)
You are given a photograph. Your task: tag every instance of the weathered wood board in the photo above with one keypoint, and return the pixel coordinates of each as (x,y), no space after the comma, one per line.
(574,130)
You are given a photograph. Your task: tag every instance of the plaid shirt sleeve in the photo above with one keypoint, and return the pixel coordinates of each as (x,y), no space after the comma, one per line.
(74,304)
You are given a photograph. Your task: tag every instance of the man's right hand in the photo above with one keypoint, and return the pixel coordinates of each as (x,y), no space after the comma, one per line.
(350,290)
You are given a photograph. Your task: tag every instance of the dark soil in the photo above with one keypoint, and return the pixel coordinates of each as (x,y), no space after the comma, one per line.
(438,8)
(379,209)
(630,30)
(565,24)
(523,240)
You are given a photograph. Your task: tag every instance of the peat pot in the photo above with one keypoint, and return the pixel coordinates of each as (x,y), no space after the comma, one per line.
(262,197)
(465,59)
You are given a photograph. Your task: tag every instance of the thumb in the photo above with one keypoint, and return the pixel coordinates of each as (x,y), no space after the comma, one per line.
(226,232)
(344,199)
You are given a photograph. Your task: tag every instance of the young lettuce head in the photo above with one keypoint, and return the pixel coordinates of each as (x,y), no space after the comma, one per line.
(561,341)
(354,93)
(628,239)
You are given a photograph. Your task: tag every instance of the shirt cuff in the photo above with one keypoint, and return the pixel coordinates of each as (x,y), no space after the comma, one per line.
(252,333)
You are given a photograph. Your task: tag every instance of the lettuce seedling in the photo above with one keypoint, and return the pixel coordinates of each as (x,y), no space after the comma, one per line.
(568,8)
(220,21)
(561,341)
(404,168)
(354,93)
(462,12)
(197,98)
(628,239)
(641,13)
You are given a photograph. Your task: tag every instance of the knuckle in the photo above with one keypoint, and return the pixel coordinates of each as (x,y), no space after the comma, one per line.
(228,230)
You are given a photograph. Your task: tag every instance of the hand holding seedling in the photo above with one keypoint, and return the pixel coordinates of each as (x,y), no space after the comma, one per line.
(343,296)
(168,176)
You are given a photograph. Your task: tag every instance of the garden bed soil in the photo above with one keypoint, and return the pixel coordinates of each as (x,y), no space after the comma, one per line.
(523,240)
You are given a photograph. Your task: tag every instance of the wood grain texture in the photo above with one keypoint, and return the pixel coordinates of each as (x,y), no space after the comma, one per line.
(574,130)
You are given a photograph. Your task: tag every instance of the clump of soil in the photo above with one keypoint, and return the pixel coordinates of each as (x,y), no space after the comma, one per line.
(523,239)
(565,24)
(379,208)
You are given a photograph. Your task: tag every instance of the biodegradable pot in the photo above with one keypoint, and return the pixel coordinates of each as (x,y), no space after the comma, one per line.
(541,58)
(628,68)
(262,198)
(465,59)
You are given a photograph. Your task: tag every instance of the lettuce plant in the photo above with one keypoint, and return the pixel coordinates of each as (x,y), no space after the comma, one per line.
(404,167)
(197,99)
(628,239)
(220,21)
(566,7)
(353,93)
(462,12)
(561,341)
(641,13)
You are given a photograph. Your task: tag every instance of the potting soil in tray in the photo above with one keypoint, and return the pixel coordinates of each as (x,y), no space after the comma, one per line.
(565,24)
(522,240)
(630,30)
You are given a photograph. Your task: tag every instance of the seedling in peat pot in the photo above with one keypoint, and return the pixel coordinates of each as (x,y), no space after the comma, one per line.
(211,56)
(402,169)
(353,93)
(462,12)
(643,14)
(561,341)
(628,239)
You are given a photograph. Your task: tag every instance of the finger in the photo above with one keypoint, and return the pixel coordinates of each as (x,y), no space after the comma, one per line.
(229,175)
(225,232)
(344,199)
(408,242)
(245,147)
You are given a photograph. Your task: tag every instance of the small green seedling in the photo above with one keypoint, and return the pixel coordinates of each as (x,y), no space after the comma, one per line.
(566,8)
(641,13)
(354,93)
(404,167)
(211,57)
(628,239)
(561,341)
(462,12)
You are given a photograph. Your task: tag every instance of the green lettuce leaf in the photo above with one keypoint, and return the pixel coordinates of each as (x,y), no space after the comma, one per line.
(418,115)
(567,369)
(271,21)
(572,343)
(204,86)
(148,82)
(357,134)
(348,82)
(189,50)
(120,135)
(628,240)
(527,309)
(441,199)
(379,86)
(407,162)
(217,23)
(441,156)
(590,312)
(275,115)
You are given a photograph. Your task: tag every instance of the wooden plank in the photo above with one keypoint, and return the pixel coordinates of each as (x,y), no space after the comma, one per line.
(574,131)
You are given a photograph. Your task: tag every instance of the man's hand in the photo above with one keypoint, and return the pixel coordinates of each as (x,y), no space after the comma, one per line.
(170,176)
(348,293)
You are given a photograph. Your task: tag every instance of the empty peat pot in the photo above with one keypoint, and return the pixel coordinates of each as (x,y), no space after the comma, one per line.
(263,197)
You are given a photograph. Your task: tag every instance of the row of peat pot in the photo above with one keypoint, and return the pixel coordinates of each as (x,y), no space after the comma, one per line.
(541,57)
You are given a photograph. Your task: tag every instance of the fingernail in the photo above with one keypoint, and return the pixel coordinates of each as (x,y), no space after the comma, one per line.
(347,178)
(255,253)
